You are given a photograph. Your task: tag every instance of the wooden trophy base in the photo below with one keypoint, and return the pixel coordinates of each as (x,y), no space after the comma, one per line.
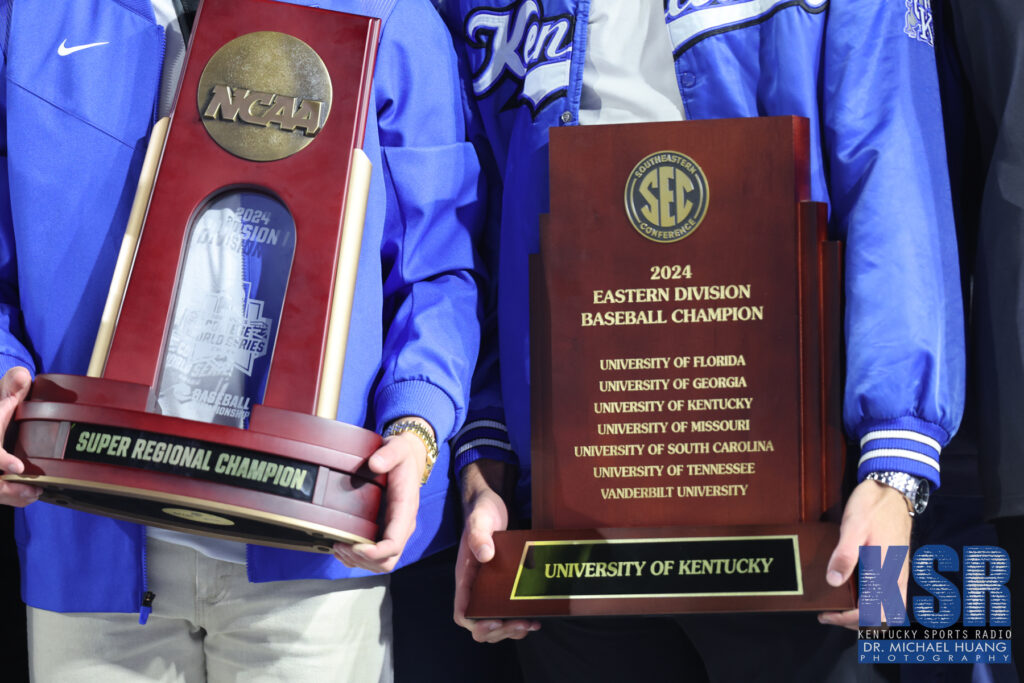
(659,570)
(290,480)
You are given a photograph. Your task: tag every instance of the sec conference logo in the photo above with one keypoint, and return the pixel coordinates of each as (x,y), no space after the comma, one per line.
(666,196)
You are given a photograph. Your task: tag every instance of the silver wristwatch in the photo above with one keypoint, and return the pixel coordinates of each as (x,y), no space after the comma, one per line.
(916,489)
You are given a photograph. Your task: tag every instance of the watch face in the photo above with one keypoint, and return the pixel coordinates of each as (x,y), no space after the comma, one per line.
(924,492)
(917,490)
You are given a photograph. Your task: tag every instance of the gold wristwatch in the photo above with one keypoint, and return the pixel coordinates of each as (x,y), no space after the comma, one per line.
(424,434)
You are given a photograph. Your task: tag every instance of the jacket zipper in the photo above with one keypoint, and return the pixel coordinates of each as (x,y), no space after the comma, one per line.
(146,605)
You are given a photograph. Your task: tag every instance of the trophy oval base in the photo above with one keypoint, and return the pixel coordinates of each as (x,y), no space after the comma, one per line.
(291,480)
(194,515)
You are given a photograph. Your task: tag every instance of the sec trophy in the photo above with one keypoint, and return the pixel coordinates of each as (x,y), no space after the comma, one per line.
(235,280)
(685,377)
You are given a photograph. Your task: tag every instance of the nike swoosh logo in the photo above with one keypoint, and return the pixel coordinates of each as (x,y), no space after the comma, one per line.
(63,50)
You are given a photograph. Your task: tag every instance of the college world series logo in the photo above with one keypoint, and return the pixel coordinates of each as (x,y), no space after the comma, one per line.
(952,625)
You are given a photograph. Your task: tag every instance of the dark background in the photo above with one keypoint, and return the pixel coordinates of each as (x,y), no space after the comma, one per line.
(12,611)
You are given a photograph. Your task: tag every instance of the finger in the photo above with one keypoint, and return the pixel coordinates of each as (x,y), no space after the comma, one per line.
(11,464)
(466,568)
(18,495)
(399,523)
(841,564)
(493,631)
(480,527)
(475,547)
(480,629)
(388,456)
(13,389)
(848,619)
(845,555)
(402,504)
(459,614)
(377,554)
(383,555)
(403,501)
(350,559)
(344,555)
(401,449)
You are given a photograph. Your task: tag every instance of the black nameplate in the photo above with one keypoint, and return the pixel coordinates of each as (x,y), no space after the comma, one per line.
(761,565)
(191,458)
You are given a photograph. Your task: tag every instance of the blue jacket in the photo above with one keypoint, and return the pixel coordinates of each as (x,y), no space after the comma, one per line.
(75,131)
(863,72)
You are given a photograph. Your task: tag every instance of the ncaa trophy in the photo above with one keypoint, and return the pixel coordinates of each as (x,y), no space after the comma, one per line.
(242,248)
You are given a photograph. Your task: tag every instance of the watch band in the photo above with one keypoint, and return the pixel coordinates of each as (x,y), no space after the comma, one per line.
(424,434)
(915,489)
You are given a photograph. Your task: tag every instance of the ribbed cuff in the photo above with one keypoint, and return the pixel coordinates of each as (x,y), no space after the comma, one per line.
(418,398)
(483,436)
(906,444)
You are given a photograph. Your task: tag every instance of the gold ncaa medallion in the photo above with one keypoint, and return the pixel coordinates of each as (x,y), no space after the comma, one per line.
(264,96)
(666,196)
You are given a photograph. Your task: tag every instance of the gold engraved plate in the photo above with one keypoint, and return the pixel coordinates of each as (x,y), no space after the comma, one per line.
(264,96)
(197,516)
(666,196)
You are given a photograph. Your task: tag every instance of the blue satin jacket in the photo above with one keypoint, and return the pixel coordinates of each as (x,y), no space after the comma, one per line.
(74,132)
(863,72)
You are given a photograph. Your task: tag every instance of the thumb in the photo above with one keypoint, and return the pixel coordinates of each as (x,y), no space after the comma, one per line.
(13,389)
(844,557)
(481,527)
(391,453)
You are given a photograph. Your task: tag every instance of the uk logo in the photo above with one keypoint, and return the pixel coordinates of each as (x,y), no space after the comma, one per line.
(919,21)
(518,43)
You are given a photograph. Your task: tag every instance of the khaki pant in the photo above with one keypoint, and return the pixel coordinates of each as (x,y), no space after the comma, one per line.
(210,624)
